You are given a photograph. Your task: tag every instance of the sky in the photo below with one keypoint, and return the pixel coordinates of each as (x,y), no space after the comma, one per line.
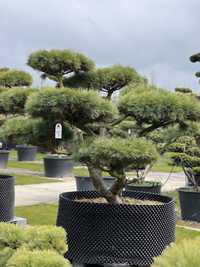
(156,37)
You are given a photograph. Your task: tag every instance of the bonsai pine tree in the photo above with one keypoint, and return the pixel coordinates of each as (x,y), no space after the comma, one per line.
(14,78)
(84,110)
(185,152)
(106,80)
(115,155)
(153,109)
(56,64)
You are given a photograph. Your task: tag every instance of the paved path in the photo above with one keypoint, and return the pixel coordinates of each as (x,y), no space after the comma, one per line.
(48,193)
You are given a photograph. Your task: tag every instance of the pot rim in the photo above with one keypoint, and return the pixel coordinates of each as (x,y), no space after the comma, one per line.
(88,177)
(57,156)
(148,184)
(6,176)
(25,146)
(4,151)
(188,190)
(151,196)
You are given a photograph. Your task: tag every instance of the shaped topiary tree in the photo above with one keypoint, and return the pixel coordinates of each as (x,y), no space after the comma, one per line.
(14,78)
(115,155)
(56,64)
(106,80)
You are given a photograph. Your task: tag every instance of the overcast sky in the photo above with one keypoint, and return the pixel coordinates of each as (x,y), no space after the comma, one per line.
(154,36)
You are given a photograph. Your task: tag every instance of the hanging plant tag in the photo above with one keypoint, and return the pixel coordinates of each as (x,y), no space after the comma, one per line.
(58,131)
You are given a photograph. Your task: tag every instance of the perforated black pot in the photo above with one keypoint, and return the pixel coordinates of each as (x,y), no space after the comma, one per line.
(26,153)
(190,204)
(55,166)
(7,197)
(147,187)
(4,155)
(84,183)
(109,233)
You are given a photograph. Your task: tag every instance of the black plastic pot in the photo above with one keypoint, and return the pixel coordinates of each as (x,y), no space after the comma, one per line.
(26,153)
(7,197)
(84,183)
(55,166)
(4,155)
(100,233)
(190,204)
(147,187)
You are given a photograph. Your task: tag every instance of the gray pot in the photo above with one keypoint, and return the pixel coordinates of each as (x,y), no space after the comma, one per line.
(7,197)
(84,183)
(26,153)
(55,166)
(4,155)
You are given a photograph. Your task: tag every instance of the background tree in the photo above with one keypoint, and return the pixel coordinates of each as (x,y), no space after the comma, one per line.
(56,64)
(107,80)
(183,90)
(14,78)
(153,108)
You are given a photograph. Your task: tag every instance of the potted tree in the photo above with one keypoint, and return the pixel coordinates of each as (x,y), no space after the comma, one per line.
(111,226)
(185,152)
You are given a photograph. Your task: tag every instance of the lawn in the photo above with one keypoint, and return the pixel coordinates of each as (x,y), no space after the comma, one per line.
(30,179)
(37,167)
(46,214)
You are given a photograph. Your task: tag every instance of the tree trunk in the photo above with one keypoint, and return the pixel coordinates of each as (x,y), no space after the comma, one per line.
(99,185)
(60,83)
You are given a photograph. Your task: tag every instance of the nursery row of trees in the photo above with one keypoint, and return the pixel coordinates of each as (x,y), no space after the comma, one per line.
(142,113)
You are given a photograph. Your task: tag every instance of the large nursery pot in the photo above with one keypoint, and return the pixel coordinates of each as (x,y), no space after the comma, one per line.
(101,233)
(58,165)
(4,155)
(84,183)
(190,204)
(26,152)
(147,187)
(7,197)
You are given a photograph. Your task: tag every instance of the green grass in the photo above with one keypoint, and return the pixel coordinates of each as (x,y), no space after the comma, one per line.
(38,214)
(37,167)
(46,214)
(29,179)
(13,155)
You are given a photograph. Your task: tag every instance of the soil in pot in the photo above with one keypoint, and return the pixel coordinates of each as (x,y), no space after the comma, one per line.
(84,183)
(7,197)
(99,233)
(4,155)
(190,204)
(26,153)
(147,187)
(58,166)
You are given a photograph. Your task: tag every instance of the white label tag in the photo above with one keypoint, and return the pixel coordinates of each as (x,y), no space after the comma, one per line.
(58,131)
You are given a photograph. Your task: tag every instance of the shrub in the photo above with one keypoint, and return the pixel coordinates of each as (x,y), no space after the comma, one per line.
(46,237)
(37,258)
(14,78)
(184,254)
(14,238)
(13,100)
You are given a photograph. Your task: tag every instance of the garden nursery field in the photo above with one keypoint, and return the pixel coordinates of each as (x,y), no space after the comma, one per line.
(101,170)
